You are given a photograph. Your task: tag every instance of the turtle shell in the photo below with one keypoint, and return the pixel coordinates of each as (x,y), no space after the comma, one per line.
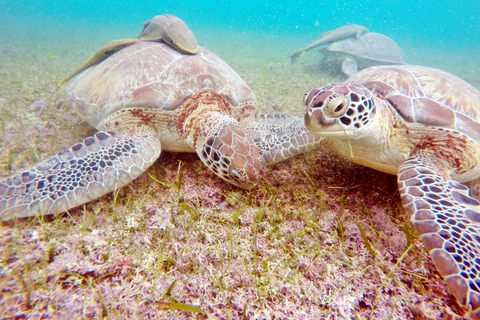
(427,96)
(371,46)
(153,75)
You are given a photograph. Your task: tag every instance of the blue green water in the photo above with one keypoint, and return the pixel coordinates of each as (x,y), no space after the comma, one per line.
(428,31)
(452,23)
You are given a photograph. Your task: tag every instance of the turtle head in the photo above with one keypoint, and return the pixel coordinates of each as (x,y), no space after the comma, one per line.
(338,109)
(231,154)
(219,139)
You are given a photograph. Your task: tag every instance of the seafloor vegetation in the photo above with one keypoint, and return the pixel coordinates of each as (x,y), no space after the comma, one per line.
(320,238)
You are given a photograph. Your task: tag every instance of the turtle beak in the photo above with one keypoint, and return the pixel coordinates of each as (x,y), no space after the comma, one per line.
(308,116)
(315,120)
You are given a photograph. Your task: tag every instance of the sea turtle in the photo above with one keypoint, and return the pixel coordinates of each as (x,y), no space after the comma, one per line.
(167,28)
(344,32)
(350,55)
(421,124)
(144,99)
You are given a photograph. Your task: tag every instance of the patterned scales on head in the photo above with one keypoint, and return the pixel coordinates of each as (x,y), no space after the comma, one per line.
(146,98)
(423,125)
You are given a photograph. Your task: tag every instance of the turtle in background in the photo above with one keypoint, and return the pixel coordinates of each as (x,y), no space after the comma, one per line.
(344,32)
(146,98)
(167,28)
(348,56)
(422,125)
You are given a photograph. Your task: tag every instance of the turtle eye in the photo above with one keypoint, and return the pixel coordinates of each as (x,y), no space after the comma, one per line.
(234,173)
(337,106)
(340,106)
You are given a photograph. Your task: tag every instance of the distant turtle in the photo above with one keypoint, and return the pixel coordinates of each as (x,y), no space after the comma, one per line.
(144,99)
(167,28)
(350,55)
(423,125)
(344,32)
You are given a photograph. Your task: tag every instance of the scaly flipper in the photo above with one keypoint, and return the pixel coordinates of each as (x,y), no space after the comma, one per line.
(279,137)
(86,171)
(447,220)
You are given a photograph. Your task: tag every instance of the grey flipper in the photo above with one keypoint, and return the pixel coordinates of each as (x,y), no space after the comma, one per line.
(279,137)
(349,66)
(86,171)
(447,220)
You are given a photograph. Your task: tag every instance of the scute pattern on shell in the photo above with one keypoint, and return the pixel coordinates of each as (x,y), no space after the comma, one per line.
(426,96)
(153,75)
(433,148)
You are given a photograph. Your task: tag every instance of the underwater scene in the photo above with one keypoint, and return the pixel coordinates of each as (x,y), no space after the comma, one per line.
(157,211)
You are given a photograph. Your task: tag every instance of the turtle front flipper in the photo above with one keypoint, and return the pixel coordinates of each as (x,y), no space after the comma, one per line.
(447,220)
(349,66)
(86,171)
(279,137)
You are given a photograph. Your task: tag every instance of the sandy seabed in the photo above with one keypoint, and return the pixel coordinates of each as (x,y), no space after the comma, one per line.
(289,249)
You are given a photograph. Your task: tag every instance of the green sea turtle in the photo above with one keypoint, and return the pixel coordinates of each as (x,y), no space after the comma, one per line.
(350,55)
(144,99)
(421,124)
(348,31)
(167,28)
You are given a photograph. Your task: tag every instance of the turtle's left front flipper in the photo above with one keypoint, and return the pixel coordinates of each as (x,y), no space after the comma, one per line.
(279,137)
(447,220)
(88,170)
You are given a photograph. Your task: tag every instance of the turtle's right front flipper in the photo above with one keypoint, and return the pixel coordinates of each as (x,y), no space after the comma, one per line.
(88,170)
(447,220)
(280,136)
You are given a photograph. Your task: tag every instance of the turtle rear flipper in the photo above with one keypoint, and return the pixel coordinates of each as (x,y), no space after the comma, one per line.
(86,171)
(447,220)
(279,137)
